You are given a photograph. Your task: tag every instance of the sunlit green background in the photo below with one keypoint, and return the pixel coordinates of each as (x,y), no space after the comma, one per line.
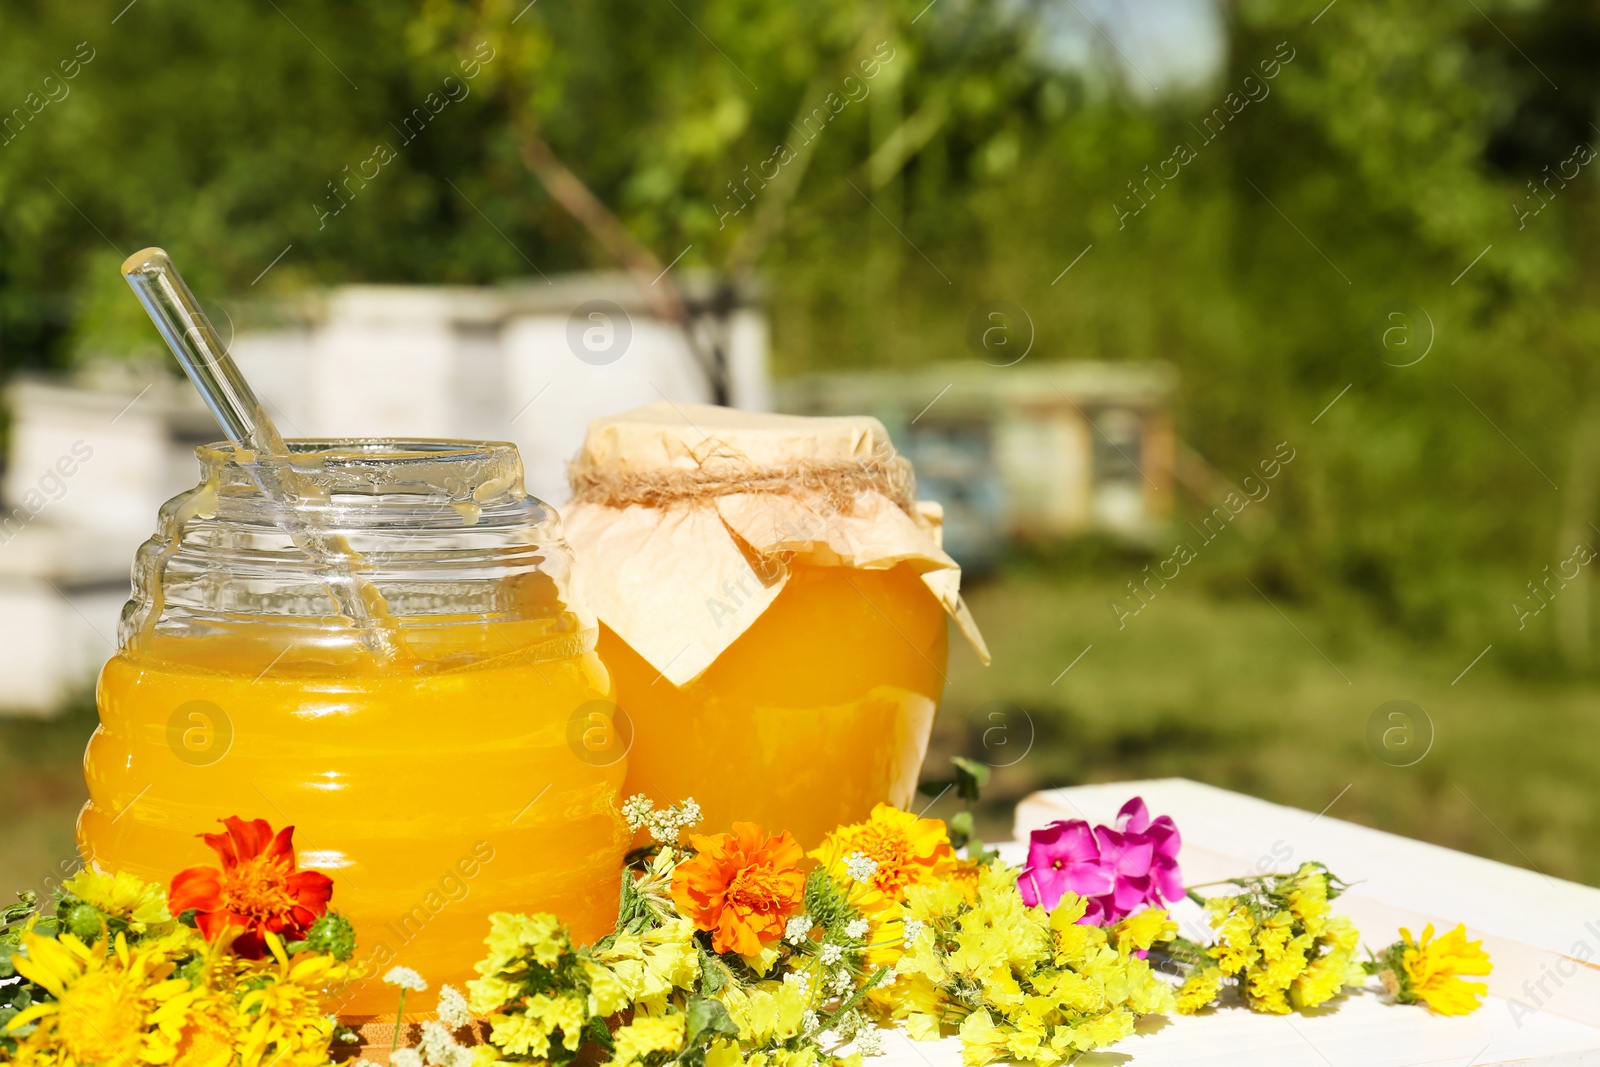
(1404,155)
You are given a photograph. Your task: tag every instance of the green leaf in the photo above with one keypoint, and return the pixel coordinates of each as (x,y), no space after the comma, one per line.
(961,828)
(971,777)
(600,1033)
(708,1018)
(14,914)
(713,972)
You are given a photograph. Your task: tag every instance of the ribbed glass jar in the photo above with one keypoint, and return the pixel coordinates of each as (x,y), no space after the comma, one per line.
(434,786)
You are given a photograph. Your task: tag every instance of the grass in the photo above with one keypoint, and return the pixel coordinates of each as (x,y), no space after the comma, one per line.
(41,790)
(1217,687)
(1271,700)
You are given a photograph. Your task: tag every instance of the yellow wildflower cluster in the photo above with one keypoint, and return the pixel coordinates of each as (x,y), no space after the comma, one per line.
(1428,971)
(155,993)
(1019,982)
(891,927)
(769,1017)
(545,997)
(1279,942)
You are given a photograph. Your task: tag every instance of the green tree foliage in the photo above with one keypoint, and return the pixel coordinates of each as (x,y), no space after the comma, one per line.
(1401,154)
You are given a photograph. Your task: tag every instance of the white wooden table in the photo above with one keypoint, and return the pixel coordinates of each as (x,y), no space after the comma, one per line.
(1536,929)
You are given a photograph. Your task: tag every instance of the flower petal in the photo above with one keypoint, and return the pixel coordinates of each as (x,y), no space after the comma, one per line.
(1128,854)
(196,887)
(1088,879)
(1134,816)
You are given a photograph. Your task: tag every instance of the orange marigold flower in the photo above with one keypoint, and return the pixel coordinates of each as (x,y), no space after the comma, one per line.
(257,888)
(907,850)
(741,886)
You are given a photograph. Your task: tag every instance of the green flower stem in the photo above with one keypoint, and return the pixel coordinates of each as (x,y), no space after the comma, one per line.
(399,1014)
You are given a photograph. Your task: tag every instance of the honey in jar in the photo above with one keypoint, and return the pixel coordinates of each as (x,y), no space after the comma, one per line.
(773,604)
(455,778)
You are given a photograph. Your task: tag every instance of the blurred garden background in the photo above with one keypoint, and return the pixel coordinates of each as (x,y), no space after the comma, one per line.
(1361,231)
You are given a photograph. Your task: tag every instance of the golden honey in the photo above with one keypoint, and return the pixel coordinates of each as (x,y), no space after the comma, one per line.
(434,787)
(818,711)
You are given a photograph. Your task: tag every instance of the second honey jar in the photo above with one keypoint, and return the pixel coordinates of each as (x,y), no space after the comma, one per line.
(773,602)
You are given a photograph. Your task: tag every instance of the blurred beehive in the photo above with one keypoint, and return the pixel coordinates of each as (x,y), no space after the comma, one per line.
(1032,453)
(93,456)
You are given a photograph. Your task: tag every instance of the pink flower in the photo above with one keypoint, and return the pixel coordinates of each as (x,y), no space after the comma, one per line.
(1061,857)
(1121,869)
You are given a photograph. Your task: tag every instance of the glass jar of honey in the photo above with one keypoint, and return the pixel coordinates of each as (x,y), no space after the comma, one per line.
(773,605)
(455,777)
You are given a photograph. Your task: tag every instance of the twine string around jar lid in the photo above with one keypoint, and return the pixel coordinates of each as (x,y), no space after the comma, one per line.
(838,481)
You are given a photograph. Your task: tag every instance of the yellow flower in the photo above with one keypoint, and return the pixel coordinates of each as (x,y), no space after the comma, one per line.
(512,937)
(1030,1041)
(652,964)
(1341,933)
(1267,999)
(527,1031)
(607,993)
(908,851)
(647,1034)
(1200,990)
(722,1053)
(279,1006)
(766,1013)
(1075,943)
(1145,929)
(113,1005)
(1433,970)
(1235,949)
(1274,934)
(1322,980)
(1103,1030)
(981,1041)
(207,1040)
(1021,984)
(121,896)
(1308,897)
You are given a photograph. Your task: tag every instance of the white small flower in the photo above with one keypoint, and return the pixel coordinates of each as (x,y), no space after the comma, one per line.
(869,1042)
(794,978)
(796,929)
(856,928)
(831,954)
(405,978)
(440,1049)
(405,1057)
(453,1009)
(913,928)
(809,1021)
(690,812)
(860,866)
(636,810)
(843,982)
(889,976)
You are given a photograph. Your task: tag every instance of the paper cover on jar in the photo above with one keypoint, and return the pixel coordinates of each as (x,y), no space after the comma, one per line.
(684,516)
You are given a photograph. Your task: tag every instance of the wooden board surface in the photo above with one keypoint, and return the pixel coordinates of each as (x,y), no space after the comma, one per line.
(1542,933)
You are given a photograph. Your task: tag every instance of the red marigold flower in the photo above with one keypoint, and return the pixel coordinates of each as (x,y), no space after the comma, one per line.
(257,888)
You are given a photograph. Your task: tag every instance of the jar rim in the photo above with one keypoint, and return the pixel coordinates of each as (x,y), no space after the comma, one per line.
(458,469)
(369,449)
